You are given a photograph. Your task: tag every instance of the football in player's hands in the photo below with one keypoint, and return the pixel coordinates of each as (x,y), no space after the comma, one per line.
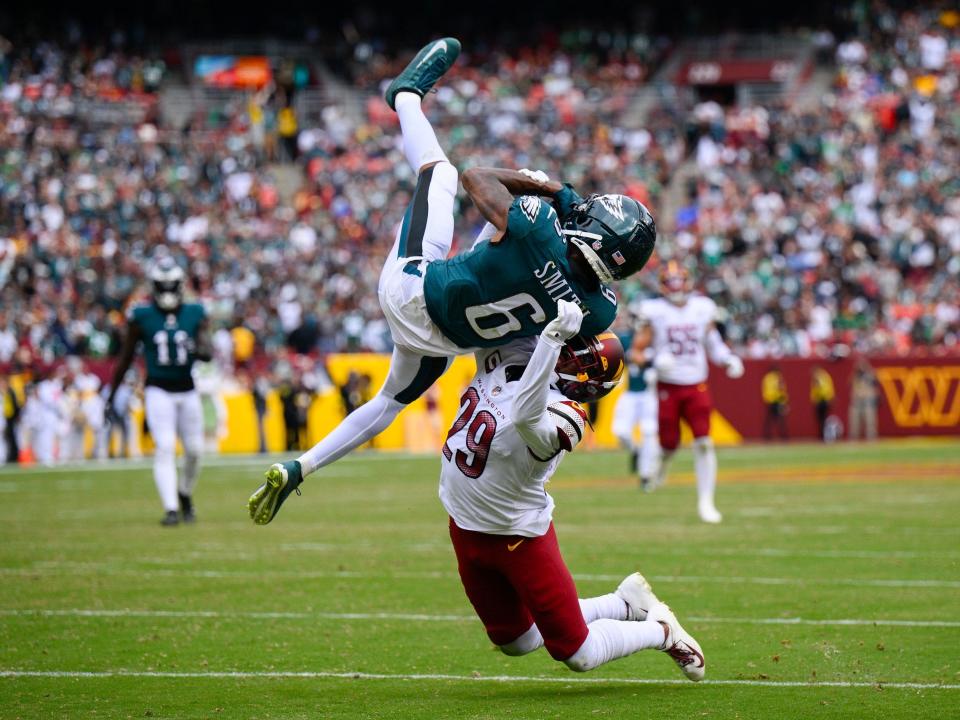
(663,362)
(566,324)
(536,175)
(734,367)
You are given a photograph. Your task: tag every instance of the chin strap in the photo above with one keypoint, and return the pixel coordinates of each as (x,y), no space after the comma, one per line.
(598,266)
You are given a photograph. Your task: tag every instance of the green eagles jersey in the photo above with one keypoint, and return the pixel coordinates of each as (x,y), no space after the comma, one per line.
(169,343)
(635,380)
(497,292)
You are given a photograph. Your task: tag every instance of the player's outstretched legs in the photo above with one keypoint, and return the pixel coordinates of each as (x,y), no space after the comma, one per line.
(426,233)
(409,377)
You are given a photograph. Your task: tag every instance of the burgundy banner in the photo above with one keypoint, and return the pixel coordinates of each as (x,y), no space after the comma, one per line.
(915,396)
(729,72)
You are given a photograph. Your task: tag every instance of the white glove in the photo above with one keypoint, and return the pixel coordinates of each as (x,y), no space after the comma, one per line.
(565,325)
(734,367)
(663,362)
(536,175)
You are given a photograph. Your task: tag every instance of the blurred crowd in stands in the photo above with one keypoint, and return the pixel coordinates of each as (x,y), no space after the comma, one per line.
(838,225)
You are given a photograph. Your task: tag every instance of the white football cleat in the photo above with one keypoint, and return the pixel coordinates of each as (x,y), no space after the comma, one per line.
(679,645)
(635,591)
(710,514)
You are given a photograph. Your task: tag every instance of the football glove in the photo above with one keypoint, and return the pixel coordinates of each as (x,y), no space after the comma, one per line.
(565,325)
(664,362)
(734,367)
(536,175)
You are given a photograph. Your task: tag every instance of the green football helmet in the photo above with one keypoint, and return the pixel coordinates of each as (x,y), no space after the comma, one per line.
(615,233)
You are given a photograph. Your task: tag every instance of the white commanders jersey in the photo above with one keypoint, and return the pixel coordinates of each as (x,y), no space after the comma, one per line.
(681,331)
(490,481)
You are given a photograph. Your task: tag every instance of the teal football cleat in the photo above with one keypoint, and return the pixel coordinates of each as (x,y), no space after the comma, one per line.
(282,479)
(428,66)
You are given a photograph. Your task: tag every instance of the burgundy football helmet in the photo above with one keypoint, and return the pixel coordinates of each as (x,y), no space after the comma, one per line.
(590,367)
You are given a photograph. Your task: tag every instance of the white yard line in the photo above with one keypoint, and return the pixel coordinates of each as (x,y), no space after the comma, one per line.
(564,680)
(69,568)
(421,617)
(209,461)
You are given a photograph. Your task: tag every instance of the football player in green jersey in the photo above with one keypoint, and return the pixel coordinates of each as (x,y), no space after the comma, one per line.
(173,335)
(637,405)
(532,254)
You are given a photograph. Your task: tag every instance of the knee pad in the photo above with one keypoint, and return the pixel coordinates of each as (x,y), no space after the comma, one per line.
(445,176)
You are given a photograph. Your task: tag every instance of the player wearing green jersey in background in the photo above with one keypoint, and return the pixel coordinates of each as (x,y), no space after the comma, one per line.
(173,336)
(531,255)
(637,405)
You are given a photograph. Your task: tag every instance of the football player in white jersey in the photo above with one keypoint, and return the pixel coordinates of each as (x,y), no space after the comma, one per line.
(680,330)
(518,416)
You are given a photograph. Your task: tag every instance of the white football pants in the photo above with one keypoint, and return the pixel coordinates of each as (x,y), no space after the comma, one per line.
(170,415)
(639,408)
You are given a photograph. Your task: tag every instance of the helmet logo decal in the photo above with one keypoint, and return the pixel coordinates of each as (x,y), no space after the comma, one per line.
(597,245)
(530,207)
(613,204)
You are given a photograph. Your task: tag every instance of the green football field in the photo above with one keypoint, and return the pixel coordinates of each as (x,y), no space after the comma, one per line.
(831,590)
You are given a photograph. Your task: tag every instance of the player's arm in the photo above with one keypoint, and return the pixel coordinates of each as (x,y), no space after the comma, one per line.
(493,190)
(530,415)
(127,351)
(203,350)
(721,354)
(642,340)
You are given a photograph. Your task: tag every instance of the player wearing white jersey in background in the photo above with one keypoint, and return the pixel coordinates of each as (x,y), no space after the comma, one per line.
(505,445)
(679,327)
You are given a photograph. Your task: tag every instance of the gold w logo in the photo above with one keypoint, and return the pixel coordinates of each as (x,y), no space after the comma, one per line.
(922,395)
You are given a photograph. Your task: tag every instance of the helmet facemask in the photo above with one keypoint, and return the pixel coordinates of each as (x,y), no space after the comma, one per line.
(167,279)
(589,367)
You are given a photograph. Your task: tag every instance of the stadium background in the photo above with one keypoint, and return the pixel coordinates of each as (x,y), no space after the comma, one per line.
(831,588)
(801,161)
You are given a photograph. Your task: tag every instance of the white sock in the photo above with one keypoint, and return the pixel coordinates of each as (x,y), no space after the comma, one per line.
(649,454)
(608,606)
(530,641)
(165,476)
(665,457)
(363,424)
(420,143)
(612,639)
(705,466)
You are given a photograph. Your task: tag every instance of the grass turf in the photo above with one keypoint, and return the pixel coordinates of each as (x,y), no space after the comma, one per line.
(356,581)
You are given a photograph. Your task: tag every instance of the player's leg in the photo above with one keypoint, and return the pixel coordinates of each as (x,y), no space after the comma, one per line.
(696,411)
(190,430)
(650,444)
(409,377)
(404,94)
(427,229)
(540,577)
(161,417)
(506,619)
(668,430)
(624,422)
